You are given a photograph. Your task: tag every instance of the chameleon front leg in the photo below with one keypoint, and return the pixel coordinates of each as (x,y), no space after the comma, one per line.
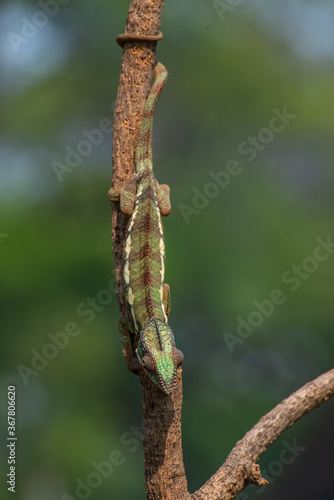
(163,195)
(167,306)
(125,196)
(126,330)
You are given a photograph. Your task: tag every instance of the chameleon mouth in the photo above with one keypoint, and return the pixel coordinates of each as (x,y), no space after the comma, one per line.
(162,373)
(158,355)
(167,387)
(168,384)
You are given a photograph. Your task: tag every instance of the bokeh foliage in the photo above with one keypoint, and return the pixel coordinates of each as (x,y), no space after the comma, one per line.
(227,72)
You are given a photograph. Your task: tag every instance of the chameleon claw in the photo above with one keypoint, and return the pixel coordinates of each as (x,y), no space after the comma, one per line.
(113,194)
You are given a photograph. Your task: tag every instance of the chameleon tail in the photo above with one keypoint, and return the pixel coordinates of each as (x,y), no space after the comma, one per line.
(144,141)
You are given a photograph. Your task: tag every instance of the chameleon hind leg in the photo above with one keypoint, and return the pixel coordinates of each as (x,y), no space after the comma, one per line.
(126,331)
(125,196)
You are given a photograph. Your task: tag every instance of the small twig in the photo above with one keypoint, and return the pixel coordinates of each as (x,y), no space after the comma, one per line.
(240,467)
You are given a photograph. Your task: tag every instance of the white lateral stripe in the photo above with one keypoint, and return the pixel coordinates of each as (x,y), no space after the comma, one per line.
(162,275)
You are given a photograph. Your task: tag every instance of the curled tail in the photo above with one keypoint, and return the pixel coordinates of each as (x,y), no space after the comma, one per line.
(143,153)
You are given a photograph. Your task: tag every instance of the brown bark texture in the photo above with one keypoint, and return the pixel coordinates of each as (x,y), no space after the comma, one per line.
(164,470)
(165,477)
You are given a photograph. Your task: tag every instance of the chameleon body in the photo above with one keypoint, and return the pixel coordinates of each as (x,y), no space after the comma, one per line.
(144,200)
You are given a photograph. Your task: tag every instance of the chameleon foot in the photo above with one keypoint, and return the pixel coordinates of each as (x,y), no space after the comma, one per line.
(134,366)
(179,358)
(113,194)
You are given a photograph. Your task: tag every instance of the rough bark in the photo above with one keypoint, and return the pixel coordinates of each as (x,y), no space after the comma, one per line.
(163,459)
(134,84)
(164,470)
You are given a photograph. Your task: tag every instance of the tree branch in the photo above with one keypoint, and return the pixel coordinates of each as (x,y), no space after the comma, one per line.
(240,467)
(164,470)
(136,74)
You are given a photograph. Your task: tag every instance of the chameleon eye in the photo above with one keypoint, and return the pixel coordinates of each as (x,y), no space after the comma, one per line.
(147,363)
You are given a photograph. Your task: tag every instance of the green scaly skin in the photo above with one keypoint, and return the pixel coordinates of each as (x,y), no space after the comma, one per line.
(144,200)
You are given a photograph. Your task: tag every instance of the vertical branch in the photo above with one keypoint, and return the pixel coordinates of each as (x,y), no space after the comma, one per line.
(136,74)
(165,477)
(164,470)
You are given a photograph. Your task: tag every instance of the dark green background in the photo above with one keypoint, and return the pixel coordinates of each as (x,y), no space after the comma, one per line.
(227,72)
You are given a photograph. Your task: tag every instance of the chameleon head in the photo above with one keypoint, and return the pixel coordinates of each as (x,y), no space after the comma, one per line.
(158,355)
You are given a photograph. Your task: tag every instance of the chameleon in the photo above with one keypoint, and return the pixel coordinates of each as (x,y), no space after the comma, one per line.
(144,200)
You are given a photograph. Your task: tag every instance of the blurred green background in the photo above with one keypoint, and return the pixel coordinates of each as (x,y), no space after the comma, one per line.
(230,65)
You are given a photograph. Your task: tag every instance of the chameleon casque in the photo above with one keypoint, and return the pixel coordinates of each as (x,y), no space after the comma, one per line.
(145,200)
